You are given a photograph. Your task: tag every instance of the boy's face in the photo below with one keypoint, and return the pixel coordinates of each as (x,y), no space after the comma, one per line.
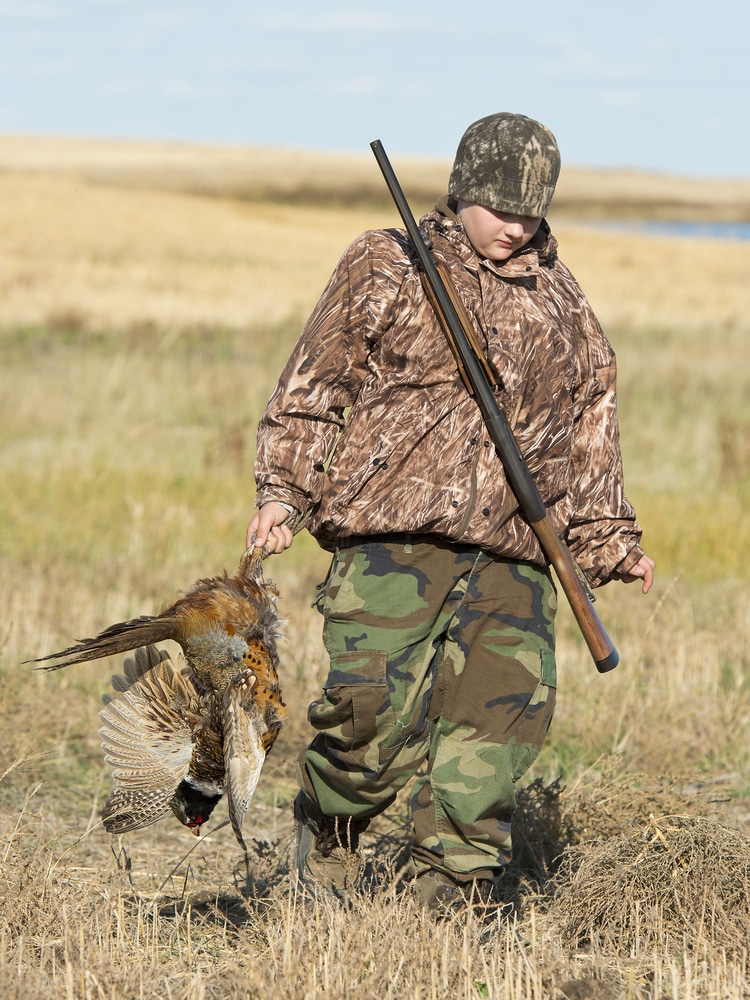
(495,235)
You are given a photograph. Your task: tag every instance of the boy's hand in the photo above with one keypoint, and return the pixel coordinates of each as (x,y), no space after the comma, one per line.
(269,529)
(643,570)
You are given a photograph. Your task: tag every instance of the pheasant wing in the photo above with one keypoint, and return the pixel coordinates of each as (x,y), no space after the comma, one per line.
(146,738)
(244,754)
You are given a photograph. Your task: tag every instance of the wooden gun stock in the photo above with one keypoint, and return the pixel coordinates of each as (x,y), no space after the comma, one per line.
(480,380)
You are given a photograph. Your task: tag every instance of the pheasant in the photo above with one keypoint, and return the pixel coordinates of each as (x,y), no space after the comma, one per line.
(178,738)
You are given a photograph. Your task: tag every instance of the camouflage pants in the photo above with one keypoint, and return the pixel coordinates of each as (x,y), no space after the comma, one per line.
(442,666)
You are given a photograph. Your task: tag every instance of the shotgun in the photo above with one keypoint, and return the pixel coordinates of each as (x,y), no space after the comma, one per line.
(480,380)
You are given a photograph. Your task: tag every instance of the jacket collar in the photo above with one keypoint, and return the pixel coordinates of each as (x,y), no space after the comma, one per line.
(541,251)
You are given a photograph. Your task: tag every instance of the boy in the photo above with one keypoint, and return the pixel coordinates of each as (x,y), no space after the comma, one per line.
(439,605)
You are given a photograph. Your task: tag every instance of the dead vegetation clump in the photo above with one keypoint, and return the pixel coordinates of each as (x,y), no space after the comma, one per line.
(37,895)
(633,866)
(605,805)
(678,883)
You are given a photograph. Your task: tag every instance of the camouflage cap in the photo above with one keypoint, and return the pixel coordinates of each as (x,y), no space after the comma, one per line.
(508,162)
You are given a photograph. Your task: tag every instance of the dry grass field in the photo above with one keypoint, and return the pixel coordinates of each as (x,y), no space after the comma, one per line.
(150,295)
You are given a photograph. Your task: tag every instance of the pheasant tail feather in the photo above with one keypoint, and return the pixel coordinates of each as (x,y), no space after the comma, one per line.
(119,638)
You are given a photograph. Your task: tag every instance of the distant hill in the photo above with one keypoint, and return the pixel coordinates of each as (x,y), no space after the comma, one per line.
(303,176)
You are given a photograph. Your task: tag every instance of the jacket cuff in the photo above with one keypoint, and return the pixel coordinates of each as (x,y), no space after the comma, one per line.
(624,567)
(299,513)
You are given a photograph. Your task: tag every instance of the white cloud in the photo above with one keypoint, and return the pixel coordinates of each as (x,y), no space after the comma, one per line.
(168,17)
(10,115)
(623,98)
(33,11)
(342,20)
(180,88)
(360,86)
(569,58)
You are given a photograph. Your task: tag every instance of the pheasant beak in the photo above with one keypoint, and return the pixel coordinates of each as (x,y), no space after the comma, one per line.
(195,825)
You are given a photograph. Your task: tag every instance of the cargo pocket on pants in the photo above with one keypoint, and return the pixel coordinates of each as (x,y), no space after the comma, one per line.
(537,716)
(355,713)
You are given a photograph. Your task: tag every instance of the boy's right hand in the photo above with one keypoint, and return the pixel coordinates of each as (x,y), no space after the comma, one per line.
(269,529)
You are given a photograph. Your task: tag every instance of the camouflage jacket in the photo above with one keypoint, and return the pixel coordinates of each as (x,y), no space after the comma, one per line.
(370,429)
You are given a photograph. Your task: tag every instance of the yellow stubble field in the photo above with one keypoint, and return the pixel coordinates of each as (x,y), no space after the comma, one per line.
(150,295)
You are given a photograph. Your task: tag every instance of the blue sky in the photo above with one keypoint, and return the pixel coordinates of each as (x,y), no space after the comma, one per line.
(654,85)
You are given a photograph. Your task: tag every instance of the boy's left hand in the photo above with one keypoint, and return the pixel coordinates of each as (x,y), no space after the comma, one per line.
(642,570)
